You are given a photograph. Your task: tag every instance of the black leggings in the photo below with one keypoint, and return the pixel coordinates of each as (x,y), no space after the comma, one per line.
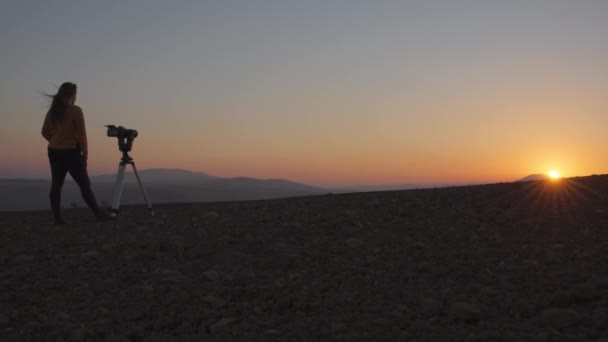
(69,160)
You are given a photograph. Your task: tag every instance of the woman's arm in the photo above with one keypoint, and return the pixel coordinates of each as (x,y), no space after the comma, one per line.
(81,133)
(46,128)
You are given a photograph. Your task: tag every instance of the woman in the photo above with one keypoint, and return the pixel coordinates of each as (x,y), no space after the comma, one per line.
(65,131)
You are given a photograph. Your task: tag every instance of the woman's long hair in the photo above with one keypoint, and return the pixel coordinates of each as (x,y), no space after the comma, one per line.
(59,102)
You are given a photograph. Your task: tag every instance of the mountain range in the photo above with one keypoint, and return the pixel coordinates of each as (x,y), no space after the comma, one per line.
(177,185)
(161,185)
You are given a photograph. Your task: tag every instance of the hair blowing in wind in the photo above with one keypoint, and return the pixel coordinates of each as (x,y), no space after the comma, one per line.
(60,101)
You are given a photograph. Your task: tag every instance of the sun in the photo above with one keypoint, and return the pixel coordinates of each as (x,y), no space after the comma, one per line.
(553,174)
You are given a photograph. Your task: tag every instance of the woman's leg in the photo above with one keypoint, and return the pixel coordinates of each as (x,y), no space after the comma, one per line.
(78,170)
(58,173)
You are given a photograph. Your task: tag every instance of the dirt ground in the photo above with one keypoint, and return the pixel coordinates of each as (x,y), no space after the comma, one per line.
(503,262)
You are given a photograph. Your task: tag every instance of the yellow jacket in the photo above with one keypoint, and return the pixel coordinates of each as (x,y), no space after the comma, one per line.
(70,133)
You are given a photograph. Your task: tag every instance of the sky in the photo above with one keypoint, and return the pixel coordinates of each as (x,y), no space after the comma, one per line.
(324,92)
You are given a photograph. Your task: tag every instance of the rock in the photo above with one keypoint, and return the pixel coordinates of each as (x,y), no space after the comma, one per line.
(63,316)
(602,283)
(90,254)
(560,318)
(78,334)
(221,324)
(177,242)
(600,318)
(465,312)
(4,320)
(103,311)
(354,243)
(488,292)
(117,338)
(212,275)
(211,215)
(143,228)
(564,299)
(108,246)
(214,301)
(430,307)
(24,258)
(247,273)
(337,327)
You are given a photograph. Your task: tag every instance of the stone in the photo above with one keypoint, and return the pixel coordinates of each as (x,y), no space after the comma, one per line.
(221,324)
(354,243)
(117,338)
(103,311)
(430,307)
(78,334)
(602,283)
(465,312)
(211,215)
(272,332)
(108,245)
(90,254)
(212,275)
(4,320)
(24,258)
(337,327)
(560,318)
(564,299)
(600,318)
(214,301)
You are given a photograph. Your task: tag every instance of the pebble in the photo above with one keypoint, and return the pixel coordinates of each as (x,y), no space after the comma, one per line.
(430,307)
(600,318)
(221,324)
(117,338)
(602,283)
(24,258)
(465,312)
(211,214)
(564,299)
(212,275)
(354,243)
(560,318)
(78,334)
(214,301)
(90,254)
(337,327)
(4,320)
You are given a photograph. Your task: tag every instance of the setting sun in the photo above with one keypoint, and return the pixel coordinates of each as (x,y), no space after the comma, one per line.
(553,174)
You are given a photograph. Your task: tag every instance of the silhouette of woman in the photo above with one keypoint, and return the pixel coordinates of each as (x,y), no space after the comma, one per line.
(65,131)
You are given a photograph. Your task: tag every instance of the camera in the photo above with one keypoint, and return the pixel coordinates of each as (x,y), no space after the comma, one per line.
(125,137)
(121,132)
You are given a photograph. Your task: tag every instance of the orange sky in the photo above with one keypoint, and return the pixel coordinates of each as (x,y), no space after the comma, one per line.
(325,94)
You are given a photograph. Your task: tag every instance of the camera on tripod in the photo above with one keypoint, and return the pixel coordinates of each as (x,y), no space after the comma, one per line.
(125,137)
(125,144)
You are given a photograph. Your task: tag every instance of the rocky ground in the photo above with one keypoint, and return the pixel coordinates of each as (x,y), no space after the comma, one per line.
(503,262)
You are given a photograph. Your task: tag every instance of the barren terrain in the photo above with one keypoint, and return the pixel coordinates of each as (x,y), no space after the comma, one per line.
(503,262)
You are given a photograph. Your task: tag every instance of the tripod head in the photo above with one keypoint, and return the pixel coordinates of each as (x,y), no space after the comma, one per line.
(125,138)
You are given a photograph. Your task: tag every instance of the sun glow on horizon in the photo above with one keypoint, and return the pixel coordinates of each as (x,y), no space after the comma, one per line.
(553,174)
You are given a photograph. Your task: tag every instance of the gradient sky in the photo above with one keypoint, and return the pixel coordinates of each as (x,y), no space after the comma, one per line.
(322,92)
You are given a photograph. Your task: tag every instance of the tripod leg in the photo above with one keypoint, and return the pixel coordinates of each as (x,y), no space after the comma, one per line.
(143,191)
(118,188)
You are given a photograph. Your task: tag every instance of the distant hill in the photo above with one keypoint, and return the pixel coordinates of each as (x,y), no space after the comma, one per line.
(534,177)
(162,186)
(167,176)
(389,187)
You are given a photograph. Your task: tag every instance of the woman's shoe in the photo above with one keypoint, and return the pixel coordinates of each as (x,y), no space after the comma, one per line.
(103,216)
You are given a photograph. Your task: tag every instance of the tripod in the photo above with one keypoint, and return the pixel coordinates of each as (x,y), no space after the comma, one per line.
(126,160)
